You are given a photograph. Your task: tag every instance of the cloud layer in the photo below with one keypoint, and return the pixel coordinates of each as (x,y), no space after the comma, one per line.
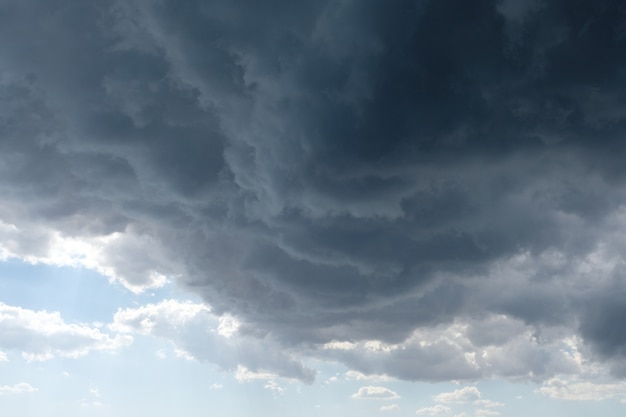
(338,171)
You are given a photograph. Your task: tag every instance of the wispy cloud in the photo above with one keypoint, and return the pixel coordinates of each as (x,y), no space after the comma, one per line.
(21,388)
(436,410)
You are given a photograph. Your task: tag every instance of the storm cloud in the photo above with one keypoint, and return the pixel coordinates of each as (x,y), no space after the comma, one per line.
(335,171)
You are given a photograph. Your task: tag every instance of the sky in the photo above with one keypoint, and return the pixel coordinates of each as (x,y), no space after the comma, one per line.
(312,207)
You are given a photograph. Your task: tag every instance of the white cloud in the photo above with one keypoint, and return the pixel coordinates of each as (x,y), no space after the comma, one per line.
(42,335)
(376,393)
(336,345)
(488,403)
(436,410)
(331,380)
(216,386)
(565,389)
(166,317)
(463,395)
(392,407)
(358,376)
(3,357)
(20,388)
(228,326)
(134,259)
(183,354)
(273,386)
(243,374)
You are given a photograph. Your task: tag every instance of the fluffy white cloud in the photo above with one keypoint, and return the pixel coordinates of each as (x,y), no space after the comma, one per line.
(436,410)
(376,393)
(162,319)
(3,357)
(391,407)
(463,395)
(133,258)
(574,390)
(42,335)
(336,345)
(469,395)
(20,388)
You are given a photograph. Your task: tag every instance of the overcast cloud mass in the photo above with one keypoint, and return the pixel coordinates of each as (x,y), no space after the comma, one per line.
(429,190)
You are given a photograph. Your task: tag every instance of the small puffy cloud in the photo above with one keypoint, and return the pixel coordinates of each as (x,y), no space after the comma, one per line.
(436,410)
(42,335)
(375,393)
(274,387)
(573,390)
(391,407)
(3,357)
(332,379)
(158,319)
(216,386)
(20,388)
(463,395)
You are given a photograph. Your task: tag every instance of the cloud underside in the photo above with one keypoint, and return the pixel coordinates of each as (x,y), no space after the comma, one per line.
(335,172)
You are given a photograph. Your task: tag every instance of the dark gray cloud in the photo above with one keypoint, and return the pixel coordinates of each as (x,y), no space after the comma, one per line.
(340,170)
